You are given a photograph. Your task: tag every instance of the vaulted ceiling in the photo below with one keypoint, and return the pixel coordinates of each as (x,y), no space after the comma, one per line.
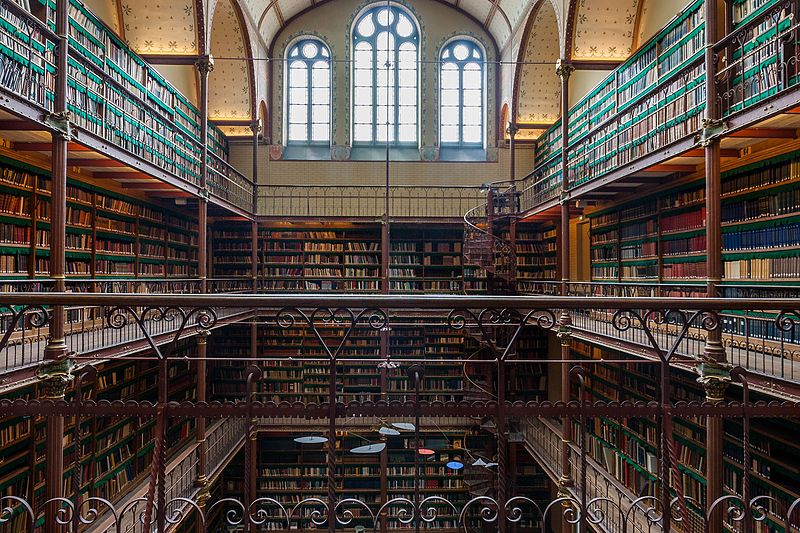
(499,17)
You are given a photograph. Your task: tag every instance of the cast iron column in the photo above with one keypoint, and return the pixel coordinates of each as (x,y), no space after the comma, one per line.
(564,69)
(714,374)
(202,445)
(255,127)
(204,66)
(55,371)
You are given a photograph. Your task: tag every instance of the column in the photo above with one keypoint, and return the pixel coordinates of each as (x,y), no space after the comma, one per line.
(512,159)
(202,445)
(714,371)
(255,127)
(204,66)
(564,69)
(55,371)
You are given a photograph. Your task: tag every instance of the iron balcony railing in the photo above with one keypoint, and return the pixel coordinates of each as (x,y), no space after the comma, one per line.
(495,323)
(87,331)
(349,201)
(752,339)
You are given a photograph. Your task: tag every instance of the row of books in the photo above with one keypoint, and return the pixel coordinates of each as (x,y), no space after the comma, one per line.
(763,268)
(784,236)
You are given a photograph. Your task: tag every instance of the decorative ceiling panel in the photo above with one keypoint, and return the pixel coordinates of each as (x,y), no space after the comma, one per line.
(499,28)
(160,26)
(269,24)
(604,29)
(290,8)
(515,10)
(477,8)
(229,83)
(539,90)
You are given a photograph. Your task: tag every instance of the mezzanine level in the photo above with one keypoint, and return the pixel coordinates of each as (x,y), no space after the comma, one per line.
(643,124)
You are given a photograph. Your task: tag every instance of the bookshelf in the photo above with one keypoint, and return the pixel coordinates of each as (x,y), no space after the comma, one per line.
(107,234)
(114,453)
(344,258)
(537,255)
(289,472)
(426,259)
(113,93)
(627,447)
(620,120)
(662,237)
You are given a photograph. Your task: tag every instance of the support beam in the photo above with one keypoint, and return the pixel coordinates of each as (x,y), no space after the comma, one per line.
(55,370)
(564,69)
(47,147)
(764,133)
(121,176)
(590,64)
(204,67)
(169,59)
(711,369)
(724,152)
(149,186)
(20,125)
(95,163)
(666,167)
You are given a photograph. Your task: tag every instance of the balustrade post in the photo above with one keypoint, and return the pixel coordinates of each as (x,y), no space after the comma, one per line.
(201,480)
(204,67)
(55,372)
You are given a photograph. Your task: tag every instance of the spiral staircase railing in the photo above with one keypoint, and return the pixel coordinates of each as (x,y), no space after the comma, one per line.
(483,248)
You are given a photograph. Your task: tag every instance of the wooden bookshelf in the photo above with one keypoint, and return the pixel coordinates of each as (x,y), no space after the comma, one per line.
(537,255)
(289,472)
(114,453)
(662,237)
(107,234)
(627,447)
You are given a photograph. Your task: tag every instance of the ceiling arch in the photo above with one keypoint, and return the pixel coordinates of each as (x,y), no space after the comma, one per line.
(230,92)
(499,17)
(537,94)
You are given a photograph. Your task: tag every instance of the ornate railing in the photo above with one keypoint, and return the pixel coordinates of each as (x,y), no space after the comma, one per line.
(405,201)
(759,59)
(752,339)
(496,323)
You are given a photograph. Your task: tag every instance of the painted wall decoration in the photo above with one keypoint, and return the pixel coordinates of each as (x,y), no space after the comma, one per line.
(229,82)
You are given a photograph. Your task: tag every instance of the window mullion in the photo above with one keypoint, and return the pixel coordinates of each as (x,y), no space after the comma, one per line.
(461,104)
(309,107)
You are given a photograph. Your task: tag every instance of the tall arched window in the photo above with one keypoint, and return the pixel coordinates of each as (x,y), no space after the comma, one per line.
(385,45)
(461,103)
(308,94)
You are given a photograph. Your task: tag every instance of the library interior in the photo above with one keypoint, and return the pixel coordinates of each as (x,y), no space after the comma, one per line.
(514,266)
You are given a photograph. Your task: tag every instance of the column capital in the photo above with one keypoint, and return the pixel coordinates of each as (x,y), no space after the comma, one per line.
(204,64)
(255,126)
(202,336)
(714,377)
(512,129)
(564,69)
(55,375)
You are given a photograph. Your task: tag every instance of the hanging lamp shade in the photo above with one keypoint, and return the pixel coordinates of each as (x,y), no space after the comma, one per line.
(369,448)
(311,440)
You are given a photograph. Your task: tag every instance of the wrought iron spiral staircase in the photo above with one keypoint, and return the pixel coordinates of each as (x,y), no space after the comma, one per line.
(483,248)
